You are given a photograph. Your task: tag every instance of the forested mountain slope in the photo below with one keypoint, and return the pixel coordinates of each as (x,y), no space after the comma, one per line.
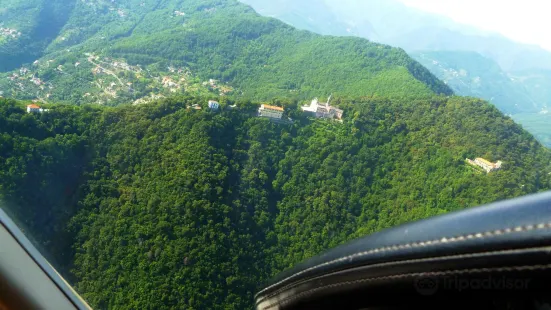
(28,27)
(158,206)
(513,76)
(134,51)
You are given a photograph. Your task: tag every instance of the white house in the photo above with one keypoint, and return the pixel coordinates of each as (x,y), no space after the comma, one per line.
(270,111)
(33,108)
(323,109)
(214,105)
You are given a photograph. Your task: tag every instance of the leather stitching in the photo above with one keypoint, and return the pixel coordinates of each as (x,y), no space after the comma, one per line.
(425,260)
(443,240)
(408,275)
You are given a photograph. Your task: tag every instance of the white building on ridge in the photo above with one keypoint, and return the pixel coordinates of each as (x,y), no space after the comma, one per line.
(33,108)
(270,111)
(323,109)
(485,164)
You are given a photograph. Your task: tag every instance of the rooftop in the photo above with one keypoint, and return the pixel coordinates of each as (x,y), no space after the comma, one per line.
(33,106)
(485,161)
(271,107)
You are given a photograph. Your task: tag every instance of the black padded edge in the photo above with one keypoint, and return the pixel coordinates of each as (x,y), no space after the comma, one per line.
(497,229)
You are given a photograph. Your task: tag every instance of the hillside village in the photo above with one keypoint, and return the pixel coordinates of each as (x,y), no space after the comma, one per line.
(105,80)
(9,33)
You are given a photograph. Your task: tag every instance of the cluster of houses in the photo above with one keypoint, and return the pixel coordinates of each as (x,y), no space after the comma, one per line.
(215,85)
(488,166)
(9,32)
(316,109)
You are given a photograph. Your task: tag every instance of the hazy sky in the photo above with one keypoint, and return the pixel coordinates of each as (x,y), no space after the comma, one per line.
(525,21)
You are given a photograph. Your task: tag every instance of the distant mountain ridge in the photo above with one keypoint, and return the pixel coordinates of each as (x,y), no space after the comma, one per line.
(472,74)
(392,22)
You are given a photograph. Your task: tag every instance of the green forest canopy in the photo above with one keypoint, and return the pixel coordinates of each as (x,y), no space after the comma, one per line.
(159,206)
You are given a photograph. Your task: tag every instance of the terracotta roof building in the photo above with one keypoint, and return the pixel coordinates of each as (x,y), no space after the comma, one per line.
(270,111)
(33,108)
